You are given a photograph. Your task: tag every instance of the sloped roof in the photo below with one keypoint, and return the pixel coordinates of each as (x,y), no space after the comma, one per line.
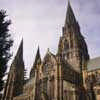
(94,64)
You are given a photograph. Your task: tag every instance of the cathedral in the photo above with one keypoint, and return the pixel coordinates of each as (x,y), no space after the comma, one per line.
(70,74)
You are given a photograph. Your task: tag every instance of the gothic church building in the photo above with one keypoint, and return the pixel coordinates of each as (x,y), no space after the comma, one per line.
(68,75)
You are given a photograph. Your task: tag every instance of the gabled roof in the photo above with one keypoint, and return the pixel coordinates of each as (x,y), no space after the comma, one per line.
(20,50)
(93,64)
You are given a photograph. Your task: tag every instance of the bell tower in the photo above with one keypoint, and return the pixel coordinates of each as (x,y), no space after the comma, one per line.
(72,46)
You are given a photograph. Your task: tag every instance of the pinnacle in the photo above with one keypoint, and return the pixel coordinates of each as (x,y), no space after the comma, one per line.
(38,57)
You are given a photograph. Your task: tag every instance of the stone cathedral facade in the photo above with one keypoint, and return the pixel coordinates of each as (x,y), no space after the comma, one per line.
(68,75)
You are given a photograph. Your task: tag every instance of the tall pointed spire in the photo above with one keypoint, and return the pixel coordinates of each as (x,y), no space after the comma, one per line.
(70,18)
(16,75)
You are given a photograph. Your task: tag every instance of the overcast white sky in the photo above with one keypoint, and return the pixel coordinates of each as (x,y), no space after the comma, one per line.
(40,22)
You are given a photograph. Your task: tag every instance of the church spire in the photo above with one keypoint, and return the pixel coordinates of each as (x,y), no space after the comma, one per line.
(38,57)
(20,51)
(70,18)
(37,61)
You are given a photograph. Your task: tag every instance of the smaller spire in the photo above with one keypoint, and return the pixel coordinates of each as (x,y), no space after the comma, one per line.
(37,61)
(38,57)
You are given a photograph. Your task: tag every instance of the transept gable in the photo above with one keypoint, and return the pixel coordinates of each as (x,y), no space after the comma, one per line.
(49,62)
(49,57)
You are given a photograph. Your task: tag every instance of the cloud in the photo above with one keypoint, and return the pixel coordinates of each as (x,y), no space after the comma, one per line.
(40,22)
(88,13)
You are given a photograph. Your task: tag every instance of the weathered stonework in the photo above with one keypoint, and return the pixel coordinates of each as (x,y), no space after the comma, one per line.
(63,76)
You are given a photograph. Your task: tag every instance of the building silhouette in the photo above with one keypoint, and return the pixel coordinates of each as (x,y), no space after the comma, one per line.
(68,75)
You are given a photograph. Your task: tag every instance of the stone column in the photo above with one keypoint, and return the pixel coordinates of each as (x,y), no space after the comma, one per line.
(56,83)
(60,83)
(48,87)
(56,87)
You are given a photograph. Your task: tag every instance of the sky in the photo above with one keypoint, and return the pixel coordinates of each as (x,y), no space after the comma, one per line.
(40,22)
